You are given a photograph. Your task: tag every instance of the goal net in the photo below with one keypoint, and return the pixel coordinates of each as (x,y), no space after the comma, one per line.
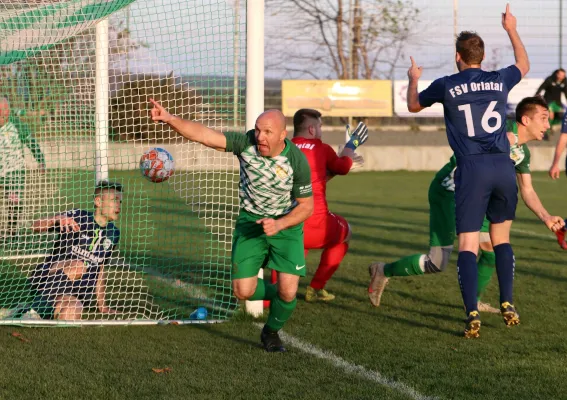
(75,80)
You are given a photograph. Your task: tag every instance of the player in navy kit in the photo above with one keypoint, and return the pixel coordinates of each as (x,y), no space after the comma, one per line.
(474,103)
(72,277)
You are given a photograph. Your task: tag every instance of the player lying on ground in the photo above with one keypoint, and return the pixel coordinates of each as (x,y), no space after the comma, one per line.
(275,199)
(531,124)
(474,106)
(325,230)
(71,279)
(554,172)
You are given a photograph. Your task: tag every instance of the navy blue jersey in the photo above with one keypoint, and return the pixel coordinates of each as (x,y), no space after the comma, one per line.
(564,124)
(92,244)
(474,103)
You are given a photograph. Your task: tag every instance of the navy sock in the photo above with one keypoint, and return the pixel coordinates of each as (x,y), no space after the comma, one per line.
(505,265)
(468,279)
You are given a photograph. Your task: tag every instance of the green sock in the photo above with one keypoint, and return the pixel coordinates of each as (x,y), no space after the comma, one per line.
(406,266)
(280,311)
(486,267)
(264,291)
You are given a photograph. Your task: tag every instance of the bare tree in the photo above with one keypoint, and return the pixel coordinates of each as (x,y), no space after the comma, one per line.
(358,39)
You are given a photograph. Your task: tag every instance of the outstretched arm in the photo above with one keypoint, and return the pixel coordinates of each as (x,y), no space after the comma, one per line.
(520,53)
(65,223)
(533,202)
(100,292)
(190,130)
(554,171)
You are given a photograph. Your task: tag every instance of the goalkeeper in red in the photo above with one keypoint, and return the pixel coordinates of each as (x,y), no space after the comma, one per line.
(275,199)
(324,230)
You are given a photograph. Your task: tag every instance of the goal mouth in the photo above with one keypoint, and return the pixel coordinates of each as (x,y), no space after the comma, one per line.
(76,77)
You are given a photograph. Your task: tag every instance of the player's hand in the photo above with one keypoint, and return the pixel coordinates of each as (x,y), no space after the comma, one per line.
(508,20)
(271,226)
(554,172)
(68,224)
(357,161)
(358,137)
(158,113)
(414,72)
(554,223)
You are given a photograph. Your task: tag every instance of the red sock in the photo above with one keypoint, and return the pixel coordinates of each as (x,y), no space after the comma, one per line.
(330,261)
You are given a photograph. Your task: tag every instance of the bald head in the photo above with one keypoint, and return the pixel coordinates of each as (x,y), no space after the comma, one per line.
(4,111)
(270,133)
(275,117)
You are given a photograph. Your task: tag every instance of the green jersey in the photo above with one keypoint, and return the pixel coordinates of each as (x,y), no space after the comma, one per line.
(13,136)
(520,154)
(269,186)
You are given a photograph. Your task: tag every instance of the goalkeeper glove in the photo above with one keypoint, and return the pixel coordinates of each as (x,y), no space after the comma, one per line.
(358,137)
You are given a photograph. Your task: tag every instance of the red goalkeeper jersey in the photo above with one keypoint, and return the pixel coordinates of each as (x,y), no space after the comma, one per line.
(322,160)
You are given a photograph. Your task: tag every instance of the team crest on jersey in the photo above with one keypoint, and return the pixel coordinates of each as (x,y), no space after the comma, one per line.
(280,172)
(107,244)
(517,154)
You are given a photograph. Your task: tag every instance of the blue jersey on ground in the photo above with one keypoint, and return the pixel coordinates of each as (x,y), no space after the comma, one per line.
(474,103)
(92,244)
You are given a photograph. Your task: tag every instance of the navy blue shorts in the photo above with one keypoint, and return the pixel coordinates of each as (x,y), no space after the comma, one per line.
(485,184)
(48,288)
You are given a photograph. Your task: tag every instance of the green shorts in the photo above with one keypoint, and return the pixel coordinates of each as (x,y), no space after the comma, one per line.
(485,228)
(252,249)
(555,107)
(442,230)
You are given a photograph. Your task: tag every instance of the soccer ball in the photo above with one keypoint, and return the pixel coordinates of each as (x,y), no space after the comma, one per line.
(156,165)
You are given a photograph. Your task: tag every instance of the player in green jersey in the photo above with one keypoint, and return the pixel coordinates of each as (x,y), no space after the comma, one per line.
(275,199)
(531,124)
(14,135)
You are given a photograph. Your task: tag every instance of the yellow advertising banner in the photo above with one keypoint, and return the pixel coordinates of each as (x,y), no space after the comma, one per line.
(338,98)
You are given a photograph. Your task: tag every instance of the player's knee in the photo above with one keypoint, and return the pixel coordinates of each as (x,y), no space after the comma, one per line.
(287,294)
(437,259)
(68,308)
(243,289)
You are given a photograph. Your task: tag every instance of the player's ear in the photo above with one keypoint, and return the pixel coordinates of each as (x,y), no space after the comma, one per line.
(525,120)
(457,57)
(283,134)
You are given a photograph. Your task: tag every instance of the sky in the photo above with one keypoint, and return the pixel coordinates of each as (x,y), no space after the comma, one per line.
(196,37)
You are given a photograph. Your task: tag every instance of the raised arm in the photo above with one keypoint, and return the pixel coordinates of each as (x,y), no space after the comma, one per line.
(520,53)
(533,202)
(190,130)
(414,73)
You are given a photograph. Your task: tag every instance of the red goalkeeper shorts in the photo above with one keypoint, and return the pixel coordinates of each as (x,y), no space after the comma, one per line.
(321,231)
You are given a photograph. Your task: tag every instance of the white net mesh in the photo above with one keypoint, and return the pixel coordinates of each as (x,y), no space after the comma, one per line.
(172,255)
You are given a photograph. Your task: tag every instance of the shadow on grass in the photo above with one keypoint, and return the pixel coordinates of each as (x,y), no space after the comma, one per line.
(237,339)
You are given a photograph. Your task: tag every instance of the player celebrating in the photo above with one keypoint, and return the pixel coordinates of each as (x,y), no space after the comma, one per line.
(474,104)
(324,230)
(72,277)
(275,199)
(531,124)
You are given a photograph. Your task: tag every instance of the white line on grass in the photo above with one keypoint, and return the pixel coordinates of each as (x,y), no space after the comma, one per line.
(351,368)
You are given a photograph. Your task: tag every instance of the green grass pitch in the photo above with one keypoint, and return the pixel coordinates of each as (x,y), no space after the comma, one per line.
(413,340)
